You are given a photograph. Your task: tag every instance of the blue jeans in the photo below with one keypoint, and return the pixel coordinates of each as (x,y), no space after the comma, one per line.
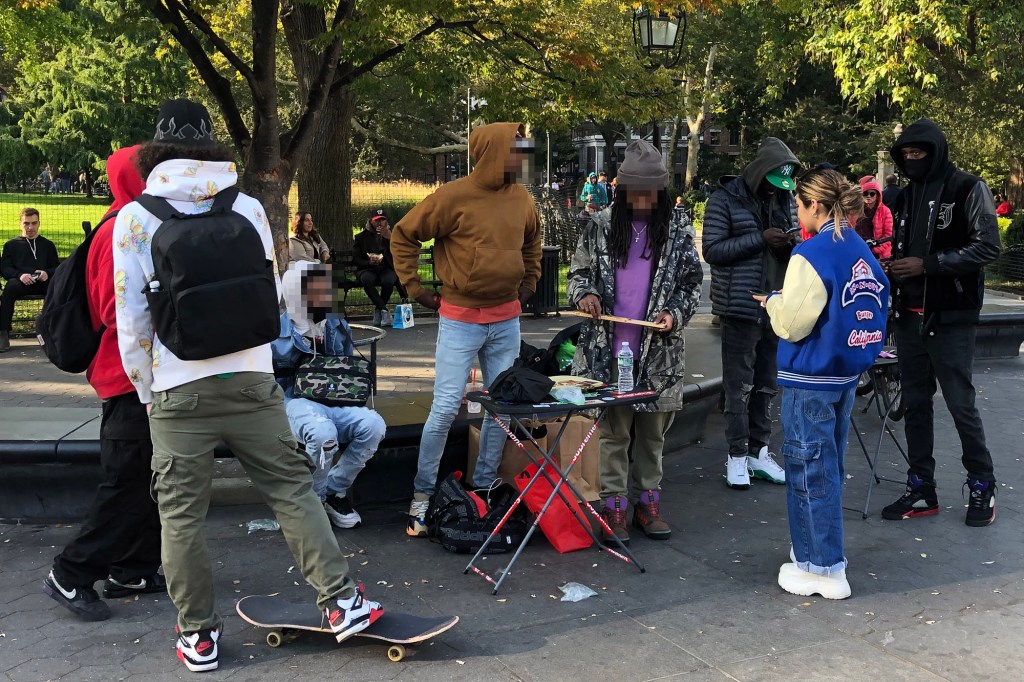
(816,425)
(320,429)
(458,343)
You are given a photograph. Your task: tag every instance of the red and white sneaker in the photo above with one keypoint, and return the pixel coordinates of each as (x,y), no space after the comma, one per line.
(349,616)
(198,650)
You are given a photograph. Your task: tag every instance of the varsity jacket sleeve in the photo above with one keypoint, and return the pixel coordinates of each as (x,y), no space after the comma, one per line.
(134,321)
(983,232)
(531,252)
(580,280)
(720,248)
(795,310)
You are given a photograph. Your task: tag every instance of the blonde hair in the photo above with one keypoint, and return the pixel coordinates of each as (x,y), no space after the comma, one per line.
(841,199)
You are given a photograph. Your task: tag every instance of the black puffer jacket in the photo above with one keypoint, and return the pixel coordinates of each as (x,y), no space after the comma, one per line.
(732,243)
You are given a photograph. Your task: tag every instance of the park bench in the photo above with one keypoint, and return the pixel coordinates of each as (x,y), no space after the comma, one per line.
(1000,334)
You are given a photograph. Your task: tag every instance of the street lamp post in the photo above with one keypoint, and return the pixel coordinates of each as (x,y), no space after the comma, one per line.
(658,36)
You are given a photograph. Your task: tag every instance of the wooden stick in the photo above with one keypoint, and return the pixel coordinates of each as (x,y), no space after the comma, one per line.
(614,318)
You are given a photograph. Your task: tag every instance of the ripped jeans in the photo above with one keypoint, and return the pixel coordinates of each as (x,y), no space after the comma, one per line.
(320,429)
(749,369)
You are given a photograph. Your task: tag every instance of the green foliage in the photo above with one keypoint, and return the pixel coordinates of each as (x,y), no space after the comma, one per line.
(1011,230)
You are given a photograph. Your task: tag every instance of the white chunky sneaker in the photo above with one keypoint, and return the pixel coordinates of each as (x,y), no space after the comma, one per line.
(736,474)
(764,466)
(796,581)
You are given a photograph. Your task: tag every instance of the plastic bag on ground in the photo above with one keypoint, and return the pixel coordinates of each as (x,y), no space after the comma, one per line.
(262,524)
(576,592)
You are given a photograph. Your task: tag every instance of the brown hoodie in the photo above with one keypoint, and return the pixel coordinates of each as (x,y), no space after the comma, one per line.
(487,240)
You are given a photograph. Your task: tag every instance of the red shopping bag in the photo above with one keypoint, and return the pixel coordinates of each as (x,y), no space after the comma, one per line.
(558,525)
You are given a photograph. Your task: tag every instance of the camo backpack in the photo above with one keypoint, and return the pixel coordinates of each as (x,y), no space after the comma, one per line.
(334,380)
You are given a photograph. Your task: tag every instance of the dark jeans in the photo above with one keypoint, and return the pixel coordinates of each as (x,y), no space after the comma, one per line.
(387,280)
(13,290)
(945,354)
(749,368)
(120,536)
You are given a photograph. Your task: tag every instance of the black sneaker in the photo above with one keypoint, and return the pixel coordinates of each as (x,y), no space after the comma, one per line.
(81,601)
(919,500)
(981,510)
(112,589)
(198,650)
(340,512)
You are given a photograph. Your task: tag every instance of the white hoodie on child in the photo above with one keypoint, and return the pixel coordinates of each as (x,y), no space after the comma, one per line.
(189,186)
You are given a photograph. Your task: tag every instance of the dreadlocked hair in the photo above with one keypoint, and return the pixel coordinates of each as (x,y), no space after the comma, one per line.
(621,231)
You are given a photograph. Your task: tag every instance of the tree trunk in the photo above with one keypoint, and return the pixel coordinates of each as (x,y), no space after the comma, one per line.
(325,178)
(673,146)
(610,132)
(271,188)
(697,122)
(1015,186)
(692,149)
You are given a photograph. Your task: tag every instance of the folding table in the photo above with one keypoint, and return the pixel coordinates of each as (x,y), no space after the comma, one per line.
(516,413)
(883,403)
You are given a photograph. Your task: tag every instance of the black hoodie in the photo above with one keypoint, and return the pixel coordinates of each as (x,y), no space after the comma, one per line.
(947,218)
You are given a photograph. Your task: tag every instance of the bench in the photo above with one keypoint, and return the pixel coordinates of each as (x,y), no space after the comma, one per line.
(344,268)
(1000,334)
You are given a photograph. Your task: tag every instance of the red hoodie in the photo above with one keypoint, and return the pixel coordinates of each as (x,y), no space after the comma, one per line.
(105,373)
(881,223)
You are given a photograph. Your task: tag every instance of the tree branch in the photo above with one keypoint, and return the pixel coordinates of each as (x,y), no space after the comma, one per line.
(219,86)
(391,142)
(197,19)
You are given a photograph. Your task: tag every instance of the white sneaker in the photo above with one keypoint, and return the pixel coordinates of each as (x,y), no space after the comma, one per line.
(417,527)
(353,615)
(764,466)
(795,581)
(340,512)
(385,318)
(736,474)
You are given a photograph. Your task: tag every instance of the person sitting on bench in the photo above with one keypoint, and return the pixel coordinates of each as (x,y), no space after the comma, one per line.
(321,428)
(375,267)
(27,263)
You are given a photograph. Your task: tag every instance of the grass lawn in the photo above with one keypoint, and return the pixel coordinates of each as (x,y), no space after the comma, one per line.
(60,216)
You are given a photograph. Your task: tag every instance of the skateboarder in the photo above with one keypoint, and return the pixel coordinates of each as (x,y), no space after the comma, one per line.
(226,391)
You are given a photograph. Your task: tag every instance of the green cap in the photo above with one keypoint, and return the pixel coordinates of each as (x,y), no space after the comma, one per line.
(782,177)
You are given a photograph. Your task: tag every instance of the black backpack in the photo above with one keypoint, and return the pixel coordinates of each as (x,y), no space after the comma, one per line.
(64,326)
(213,290)
(461,520)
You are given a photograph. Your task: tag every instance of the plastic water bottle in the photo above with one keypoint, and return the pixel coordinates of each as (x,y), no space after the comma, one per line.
(625,358)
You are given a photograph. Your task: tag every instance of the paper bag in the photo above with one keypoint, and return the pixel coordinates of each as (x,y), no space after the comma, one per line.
(586,473)
(403,317)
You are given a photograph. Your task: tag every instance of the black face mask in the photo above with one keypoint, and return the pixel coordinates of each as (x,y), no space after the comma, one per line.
(917,169)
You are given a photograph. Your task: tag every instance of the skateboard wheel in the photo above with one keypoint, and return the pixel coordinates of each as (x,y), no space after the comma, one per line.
(396,652)
(274,638)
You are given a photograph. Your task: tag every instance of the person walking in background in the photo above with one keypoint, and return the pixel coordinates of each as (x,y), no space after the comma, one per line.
(306,243)
(749,227)
(946,233)
(119,539)
(375,266)
(891,191)
(594,192)
(875,223)
(46,177)
(1004,209)
(637,261)
(27,263)
(487,248)
(830,318)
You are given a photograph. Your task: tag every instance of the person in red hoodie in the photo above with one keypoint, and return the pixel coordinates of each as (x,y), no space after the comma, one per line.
(876,223)
(120,538)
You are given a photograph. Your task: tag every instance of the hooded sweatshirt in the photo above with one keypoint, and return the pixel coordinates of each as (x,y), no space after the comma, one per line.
(487,240)
(105,373)
(295,300)
(189,186)
(947,218)
(879,224)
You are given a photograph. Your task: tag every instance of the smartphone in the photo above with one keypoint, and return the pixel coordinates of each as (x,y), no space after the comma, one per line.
(758,292)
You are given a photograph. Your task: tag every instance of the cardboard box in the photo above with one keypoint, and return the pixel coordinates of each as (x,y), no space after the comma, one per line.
(585,475)
(513,460)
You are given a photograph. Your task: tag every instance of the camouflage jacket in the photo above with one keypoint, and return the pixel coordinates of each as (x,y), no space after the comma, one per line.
(675,287)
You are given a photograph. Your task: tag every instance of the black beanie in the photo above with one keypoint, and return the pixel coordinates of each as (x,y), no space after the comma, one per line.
(184,122)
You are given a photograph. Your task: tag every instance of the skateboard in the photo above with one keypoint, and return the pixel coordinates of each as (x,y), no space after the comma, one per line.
(285,618)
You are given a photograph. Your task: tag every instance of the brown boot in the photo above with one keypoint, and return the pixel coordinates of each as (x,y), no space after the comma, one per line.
(615,516)
(647,516)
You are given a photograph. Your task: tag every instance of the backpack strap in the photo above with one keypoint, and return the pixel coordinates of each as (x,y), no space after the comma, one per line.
(225,199)
(158,206)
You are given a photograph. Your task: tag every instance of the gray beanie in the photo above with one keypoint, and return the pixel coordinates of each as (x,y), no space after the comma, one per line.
(643,167)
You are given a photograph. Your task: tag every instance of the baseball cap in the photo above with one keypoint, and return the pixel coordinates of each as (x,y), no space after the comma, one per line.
(782,177)
(377,213)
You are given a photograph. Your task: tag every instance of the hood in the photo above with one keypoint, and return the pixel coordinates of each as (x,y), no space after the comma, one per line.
(870,184)
(294,301)
(189,180)
(923,134)
(123,176)
(771,153)
(489,145)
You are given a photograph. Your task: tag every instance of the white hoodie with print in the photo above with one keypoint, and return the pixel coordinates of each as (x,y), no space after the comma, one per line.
(189,186)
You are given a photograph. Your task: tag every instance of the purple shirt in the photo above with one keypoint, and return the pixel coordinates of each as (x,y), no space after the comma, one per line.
(632,292)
